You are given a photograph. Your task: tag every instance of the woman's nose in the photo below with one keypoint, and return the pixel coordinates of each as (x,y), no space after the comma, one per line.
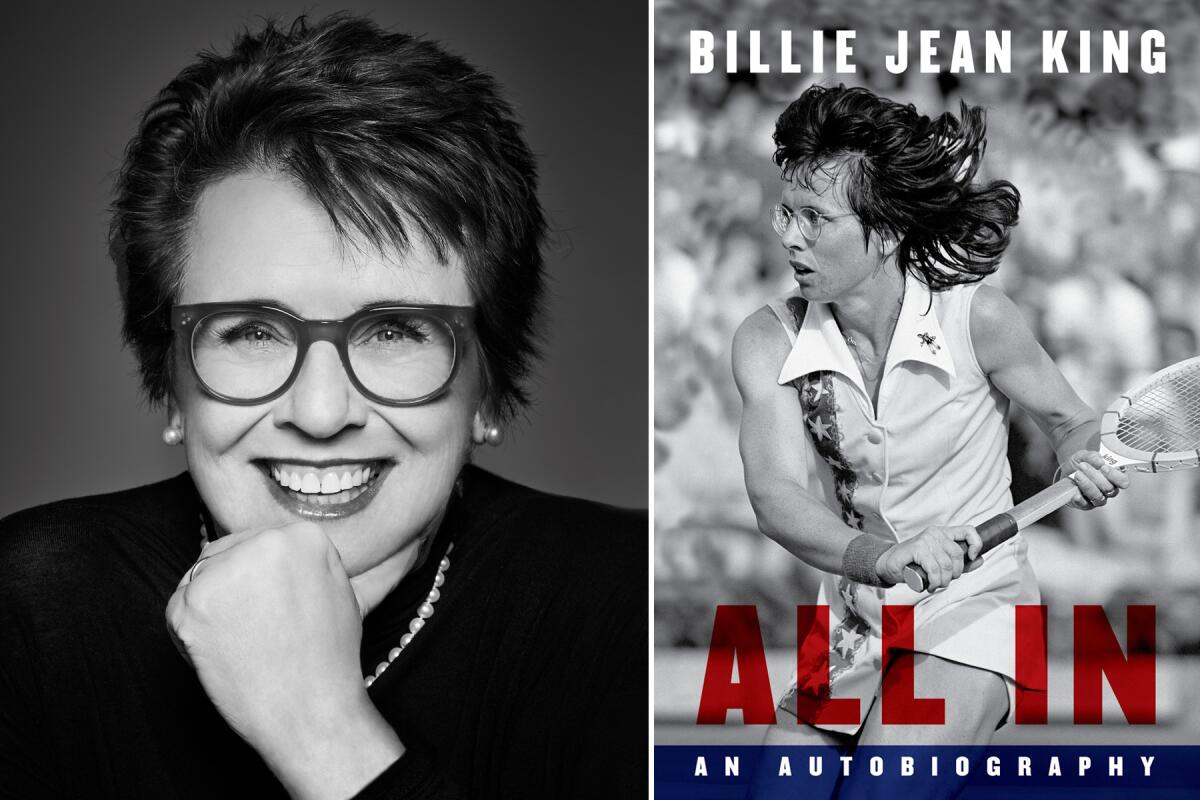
(322,401)
(792,237)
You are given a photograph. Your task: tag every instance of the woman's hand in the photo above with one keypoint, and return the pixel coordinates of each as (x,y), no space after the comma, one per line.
(1097,480)
(271,624)
(936,550)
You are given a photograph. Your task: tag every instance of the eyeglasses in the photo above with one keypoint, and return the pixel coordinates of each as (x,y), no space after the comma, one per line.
(809,219)
(248,353)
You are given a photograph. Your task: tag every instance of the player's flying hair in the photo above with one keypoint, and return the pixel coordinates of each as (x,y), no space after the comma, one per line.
(905,175)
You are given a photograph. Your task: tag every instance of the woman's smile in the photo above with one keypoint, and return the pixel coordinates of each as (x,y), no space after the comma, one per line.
(331,490)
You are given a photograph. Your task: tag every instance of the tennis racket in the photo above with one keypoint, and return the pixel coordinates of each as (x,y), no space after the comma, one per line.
(1153,428)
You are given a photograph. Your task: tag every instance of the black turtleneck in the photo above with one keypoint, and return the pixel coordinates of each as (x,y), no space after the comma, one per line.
(530,679)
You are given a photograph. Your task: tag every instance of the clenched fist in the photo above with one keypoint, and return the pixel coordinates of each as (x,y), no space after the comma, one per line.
(272,625)
(937,550)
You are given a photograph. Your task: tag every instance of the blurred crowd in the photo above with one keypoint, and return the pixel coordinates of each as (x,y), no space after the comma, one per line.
(1103,264)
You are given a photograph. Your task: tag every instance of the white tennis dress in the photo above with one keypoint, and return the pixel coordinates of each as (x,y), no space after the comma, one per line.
(933,453)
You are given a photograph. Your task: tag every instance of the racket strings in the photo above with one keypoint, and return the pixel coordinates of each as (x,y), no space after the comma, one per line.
(1164,417)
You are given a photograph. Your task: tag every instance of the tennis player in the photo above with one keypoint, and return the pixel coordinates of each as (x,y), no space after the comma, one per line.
(876,400)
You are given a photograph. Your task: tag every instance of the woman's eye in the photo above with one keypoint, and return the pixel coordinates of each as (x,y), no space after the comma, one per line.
(248,334)
(394,332)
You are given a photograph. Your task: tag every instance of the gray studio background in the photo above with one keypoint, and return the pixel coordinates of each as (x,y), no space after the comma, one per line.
(73,82)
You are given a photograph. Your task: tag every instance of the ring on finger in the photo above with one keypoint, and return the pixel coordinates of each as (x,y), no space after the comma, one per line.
(1112,493)
(199,561)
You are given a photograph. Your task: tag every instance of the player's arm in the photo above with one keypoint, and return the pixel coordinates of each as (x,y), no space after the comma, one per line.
(772,440)
(1016,364)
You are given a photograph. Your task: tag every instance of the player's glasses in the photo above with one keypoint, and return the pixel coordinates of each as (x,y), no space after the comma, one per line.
(809,219)
(248,353)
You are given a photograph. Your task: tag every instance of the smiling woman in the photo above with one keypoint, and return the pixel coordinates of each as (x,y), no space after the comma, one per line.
(329,251)
(258,236)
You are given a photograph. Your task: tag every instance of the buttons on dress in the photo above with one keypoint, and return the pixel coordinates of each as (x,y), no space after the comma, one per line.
(874,437)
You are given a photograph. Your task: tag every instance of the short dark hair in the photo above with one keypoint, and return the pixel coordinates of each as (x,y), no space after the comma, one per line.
(904,175)
(386,131)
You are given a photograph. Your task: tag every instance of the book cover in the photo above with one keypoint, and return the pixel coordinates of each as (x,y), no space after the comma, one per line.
(1092,115)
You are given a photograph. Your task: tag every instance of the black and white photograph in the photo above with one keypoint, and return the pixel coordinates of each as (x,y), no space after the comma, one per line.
(325,419)
(926,378)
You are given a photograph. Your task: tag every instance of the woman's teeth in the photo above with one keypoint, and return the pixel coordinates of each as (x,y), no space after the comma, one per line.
(324,486)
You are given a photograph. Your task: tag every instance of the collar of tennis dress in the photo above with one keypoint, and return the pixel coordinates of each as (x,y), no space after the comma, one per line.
(820,346)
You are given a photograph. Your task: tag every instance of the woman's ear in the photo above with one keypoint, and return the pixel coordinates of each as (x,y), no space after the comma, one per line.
(888,244)
(478,428)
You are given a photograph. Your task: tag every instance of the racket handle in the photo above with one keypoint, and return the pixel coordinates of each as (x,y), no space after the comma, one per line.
(1004,526)
(1047,501)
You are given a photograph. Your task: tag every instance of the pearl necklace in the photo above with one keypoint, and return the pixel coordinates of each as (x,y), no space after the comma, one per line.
(424,612)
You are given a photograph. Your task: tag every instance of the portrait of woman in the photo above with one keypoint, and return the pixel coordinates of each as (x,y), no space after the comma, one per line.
(329,243)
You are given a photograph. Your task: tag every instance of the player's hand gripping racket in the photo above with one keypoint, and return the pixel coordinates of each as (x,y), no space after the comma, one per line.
(1153,428)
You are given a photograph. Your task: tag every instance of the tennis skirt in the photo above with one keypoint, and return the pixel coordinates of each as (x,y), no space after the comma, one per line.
(972,622)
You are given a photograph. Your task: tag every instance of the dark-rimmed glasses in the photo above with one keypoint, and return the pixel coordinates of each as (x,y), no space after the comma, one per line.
(249,353)
(809,219)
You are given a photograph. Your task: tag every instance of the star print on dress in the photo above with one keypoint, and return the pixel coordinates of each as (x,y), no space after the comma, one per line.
(847,642)
(819,406)
(839,465)
(930,341)
(848,590)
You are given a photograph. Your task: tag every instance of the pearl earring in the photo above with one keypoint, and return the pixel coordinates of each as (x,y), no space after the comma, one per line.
(172,436)
(493,436)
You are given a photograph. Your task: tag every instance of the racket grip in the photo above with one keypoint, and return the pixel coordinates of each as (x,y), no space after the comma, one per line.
(1002,527)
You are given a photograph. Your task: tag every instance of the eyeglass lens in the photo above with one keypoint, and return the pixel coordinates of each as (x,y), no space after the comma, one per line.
(806,218)
(397,355)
